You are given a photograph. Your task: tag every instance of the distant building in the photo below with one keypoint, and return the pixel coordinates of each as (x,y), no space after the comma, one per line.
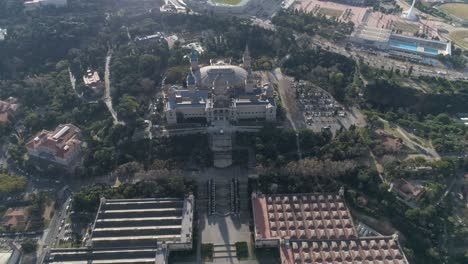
(195,46)
(92,81)
(317,228)
(150,38)
(3,33)
(61,146)
(351,2)
(7,108)
(408,190)
(34,4)
(220,92)
(134,231)
(15,218)
(412,48)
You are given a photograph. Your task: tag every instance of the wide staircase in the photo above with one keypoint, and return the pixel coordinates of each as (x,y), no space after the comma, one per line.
(224,251)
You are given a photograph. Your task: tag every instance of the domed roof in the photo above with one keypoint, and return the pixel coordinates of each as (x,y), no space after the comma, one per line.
(233,75)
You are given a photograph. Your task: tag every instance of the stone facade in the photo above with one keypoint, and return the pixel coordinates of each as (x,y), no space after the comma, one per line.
(220,92)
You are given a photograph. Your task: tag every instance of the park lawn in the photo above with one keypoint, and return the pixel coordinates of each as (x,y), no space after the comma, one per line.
(330,12)
(227,2)
(457,9)
(460,37)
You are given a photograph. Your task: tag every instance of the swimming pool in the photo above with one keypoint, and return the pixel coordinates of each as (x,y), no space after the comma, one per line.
(403,45)
(431,51)
(412,47)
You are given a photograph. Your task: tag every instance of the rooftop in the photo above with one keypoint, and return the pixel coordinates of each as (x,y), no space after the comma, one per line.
(15,217)
(108,255)
(91,78)
(302,216)
(372,33)
(317,228)
(358,250)
(60,143)
(143,222)
(133,231)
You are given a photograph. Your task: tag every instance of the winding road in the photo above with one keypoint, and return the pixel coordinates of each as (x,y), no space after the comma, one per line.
(73,83)
(107,94)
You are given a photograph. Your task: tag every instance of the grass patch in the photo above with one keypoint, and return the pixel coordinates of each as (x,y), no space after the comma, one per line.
(242,250)
(457,9)
(460,37)
(330,12)
(406,27)
(62,244)
(227,2)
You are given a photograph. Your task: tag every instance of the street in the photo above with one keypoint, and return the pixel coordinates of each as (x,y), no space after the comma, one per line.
(49,237)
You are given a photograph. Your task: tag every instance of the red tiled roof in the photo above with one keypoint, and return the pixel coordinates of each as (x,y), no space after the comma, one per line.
(305,216)
(357,250)
(61,145)
(318,228)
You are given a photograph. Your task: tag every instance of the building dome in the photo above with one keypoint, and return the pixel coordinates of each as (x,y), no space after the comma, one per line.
(233,75)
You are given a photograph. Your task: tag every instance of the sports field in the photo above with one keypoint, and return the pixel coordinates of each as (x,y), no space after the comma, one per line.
(227,2)
(457,9)
(460,37)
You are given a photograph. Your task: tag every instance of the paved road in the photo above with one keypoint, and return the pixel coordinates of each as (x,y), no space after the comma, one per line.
(416,145)
(48,239)
(284,87)
(73,83)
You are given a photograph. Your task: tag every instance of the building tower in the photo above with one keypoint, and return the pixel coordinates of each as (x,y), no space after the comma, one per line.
(191,82)
(247,61)
(194,60)
(409,15)
(249,82)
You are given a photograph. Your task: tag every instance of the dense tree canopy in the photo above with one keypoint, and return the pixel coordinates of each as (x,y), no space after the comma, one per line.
(11,184)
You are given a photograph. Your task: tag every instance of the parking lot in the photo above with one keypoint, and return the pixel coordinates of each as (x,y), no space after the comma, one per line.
(320,110)
(65,230)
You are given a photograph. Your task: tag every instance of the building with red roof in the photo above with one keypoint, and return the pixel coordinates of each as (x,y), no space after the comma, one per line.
(317,228)
(61,146)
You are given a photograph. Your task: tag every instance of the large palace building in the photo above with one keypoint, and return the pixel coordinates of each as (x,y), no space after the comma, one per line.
(220,92)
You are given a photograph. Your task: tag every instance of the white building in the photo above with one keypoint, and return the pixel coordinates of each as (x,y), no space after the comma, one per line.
(220,92)
(92,81)
(3,33)
(34,4)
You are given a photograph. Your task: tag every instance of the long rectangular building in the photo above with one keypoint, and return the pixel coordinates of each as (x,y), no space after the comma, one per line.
(143,222)
(134,231)
(384,39)
(317,228)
